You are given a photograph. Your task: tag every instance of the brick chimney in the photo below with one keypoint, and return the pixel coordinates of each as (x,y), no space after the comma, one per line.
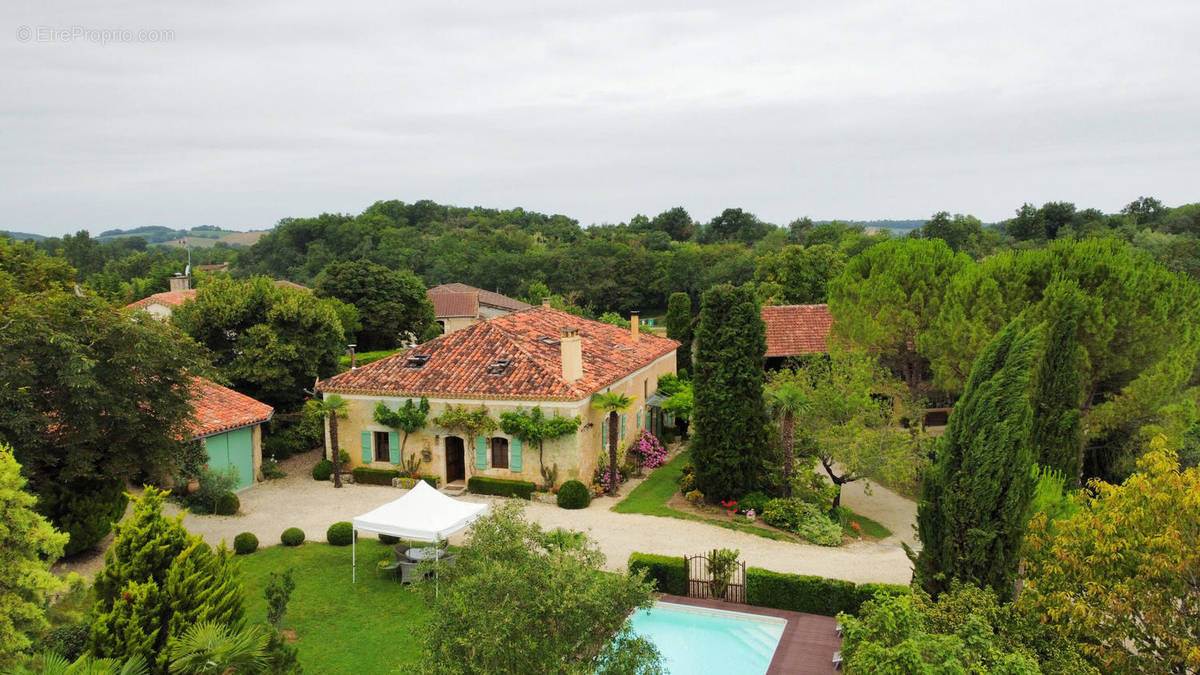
(180,282)
(572,355)
(634,325)
(545,302)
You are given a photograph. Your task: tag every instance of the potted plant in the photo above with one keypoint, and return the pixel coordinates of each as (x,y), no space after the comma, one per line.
(721,563)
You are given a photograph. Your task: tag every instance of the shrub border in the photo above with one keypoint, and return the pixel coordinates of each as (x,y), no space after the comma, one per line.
(502,487)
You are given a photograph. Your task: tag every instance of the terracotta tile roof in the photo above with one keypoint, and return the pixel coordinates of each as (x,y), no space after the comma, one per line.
(172,298)
(485,297)
(451,304)
(220,409)
(459,363)
(797,329)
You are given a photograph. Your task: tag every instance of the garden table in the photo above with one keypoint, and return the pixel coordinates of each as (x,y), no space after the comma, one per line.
(424,553)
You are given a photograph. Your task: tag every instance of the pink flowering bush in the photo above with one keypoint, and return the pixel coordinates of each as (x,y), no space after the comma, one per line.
(601,477)
(648,451)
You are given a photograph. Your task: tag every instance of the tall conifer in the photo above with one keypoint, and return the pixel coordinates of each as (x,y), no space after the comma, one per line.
(972,516)
(729,418)
(1058,388)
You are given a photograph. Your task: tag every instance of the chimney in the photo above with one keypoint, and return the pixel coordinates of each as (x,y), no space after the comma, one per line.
(572,355)
(353,365)
(545,302)
(634,326)
(180,282)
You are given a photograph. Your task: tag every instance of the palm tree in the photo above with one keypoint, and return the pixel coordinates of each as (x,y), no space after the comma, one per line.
(209,648)
(54,664)
(612,404)
(786,400)
(333,407)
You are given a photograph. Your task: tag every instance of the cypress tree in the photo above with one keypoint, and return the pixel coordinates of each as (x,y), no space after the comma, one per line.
(158,580)
(1058,387)
(679,327)
(729,417)
(972,515)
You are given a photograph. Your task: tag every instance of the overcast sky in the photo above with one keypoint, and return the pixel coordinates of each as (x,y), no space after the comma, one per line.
(248,112)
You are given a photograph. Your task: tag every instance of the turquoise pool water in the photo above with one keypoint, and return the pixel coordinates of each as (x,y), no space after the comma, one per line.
(695,640)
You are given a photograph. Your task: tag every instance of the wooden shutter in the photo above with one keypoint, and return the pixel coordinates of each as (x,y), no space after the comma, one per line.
(639,419)
(514,455)
(622,426)
(394,447)
(481,450)
(366,447)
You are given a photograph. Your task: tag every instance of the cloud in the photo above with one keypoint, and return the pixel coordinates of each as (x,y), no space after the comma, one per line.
(861,110)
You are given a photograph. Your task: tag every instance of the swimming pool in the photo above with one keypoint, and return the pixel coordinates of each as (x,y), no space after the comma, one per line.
(699,640)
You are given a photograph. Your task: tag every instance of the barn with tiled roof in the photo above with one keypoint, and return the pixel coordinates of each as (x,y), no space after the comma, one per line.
(457,306)
(534,357)
(227,423)
(796,330)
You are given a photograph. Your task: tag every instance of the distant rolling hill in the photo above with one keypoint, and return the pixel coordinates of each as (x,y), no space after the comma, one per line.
(22,236)
(198,237)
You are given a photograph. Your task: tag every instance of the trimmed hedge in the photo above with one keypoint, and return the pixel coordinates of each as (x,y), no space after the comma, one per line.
(365,474)
(340,534)
(322,470)
(795,592)
(227,504)
(434,481)
(245,543)
(573,495)
(669,573)
(809,594)
(293,536)
(501,487)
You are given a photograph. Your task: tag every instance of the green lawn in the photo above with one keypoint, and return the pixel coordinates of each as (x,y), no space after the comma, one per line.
(363,358)
(652,495)
(373,626)
(869,527)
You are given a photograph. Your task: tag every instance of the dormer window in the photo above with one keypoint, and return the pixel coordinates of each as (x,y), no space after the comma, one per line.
(498,367)
(416,361)
(547,340)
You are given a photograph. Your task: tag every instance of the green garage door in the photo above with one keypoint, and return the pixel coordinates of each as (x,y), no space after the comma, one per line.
(232,449)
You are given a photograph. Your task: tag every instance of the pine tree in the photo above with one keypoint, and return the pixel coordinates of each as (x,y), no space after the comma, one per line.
(729,418)
(158,580)
(679,327)
(1058,389)
(973,511)
(29,545)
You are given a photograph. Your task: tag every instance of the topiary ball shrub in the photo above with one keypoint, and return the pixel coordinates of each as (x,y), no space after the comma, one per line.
(573,495)
(389,539)
(322,470)
(340,534)
(245,543)
(293,536)
(227,504)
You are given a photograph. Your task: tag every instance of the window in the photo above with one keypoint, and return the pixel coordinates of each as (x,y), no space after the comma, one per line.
(381,446)
(499,453)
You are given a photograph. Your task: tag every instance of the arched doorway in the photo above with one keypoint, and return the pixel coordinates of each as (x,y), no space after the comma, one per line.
(456,461)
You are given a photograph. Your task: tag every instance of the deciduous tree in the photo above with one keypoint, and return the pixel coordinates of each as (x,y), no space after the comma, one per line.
(1121,577)
(392,304)
(272,343)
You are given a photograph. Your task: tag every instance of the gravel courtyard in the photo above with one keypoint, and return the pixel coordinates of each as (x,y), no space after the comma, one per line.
(299,501)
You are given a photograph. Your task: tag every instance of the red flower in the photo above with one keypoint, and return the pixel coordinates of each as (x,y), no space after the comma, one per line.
(856,526)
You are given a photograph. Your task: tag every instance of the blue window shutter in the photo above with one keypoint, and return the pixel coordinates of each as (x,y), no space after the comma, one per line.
(366,447)
(514,455)
(394,447)
(639,419)
(481,453)
(622,426)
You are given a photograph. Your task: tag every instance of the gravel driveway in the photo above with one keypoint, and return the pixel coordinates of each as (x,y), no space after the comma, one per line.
(298,501)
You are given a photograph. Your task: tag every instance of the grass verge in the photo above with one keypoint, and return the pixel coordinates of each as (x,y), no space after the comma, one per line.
(363,358)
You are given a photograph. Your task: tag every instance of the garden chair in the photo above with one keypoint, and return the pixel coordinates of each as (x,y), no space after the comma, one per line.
(408,572)
(401,552)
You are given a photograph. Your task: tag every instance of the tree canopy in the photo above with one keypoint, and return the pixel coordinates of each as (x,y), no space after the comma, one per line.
(272,343)
(392,304)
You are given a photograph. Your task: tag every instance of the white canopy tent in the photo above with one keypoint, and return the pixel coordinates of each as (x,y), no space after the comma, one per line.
(424,514)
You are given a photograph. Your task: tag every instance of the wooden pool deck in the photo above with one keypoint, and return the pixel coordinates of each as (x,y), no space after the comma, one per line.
(807,644)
